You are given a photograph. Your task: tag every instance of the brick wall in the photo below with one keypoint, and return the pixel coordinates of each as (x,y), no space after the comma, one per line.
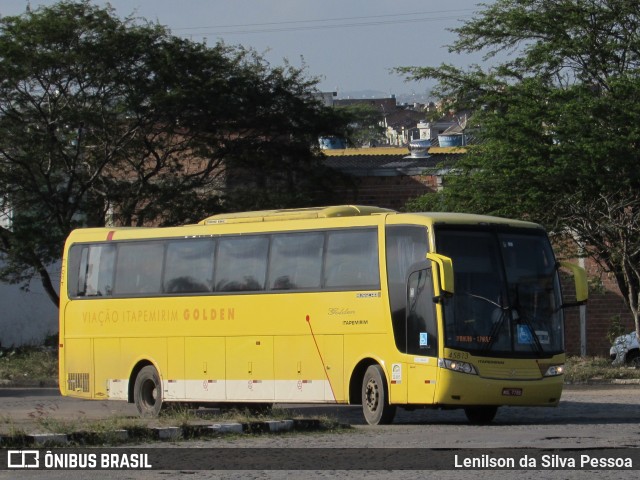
(605,303)
(388,191)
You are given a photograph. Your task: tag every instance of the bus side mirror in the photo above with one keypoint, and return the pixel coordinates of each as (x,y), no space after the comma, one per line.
(580,279)
(445,271)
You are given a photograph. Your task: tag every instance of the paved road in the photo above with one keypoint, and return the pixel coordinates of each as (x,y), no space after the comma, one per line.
(24,408)
(588,417)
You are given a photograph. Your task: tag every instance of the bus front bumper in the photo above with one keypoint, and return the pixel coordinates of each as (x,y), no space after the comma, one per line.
(460,389)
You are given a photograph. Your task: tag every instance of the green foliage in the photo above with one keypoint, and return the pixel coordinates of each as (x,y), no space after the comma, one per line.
(109,119)
(29,365)
(596,370)
(365,124)
(430,202)
(557,122)
(616,329)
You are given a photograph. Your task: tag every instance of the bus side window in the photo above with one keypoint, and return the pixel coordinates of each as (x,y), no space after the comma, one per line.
(78,260)
(296,261)
(139,268)
(352,259)
(93,265)
(241,263)
(189,266)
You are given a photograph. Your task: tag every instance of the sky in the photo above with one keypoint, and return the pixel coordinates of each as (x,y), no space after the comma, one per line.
(350,45)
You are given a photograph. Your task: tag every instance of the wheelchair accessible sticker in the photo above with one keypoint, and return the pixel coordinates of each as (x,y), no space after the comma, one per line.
(524,335)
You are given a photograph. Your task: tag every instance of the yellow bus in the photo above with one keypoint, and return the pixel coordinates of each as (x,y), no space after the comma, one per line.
(338,305)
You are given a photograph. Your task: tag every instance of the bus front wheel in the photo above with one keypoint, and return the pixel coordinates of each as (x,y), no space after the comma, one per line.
(480,415)
(147,392)
(375,397)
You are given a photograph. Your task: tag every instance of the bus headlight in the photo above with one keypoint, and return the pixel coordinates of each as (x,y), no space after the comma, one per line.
(554,371)
(457,366)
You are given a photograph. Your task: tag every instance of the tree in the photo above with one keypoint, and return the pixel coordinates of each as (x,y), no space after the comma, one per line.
(108,119)
(367,125)
(558,124)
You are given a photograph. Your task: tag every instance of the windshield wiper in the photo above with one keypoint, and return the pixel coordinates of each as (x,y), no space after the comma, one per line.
(497,326)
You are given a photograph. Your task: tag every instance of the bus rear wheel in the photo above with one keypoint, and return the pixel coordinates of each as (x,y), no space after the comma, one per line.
(147,392)
(480,415)
(375,397)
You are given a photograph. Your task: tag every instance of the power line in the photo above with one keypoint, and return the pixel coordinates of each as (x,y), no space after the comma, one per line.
(324,27)
(295,25)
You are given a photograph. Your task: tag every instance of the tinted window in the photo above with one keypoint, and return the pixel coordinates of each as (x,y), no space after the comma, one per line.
(405,246)
(139,268)
(334,259)
(422,330)
(241,263)
(296,261)
(507,296)
(352,259)
(189,266)
(95,270)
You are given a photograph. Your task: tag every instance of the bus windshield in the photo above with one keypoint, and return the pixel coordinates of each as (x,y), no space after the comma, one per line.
(507,293)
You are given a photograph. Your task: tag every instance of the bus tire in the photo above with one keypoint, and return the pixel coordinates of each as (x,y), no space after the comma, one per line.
(480,415)
(375,397)
(147,392)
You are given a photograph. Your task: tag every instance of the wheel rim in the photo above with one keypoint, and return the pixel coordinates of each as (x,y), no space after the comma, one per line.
(149,393)
(372,395)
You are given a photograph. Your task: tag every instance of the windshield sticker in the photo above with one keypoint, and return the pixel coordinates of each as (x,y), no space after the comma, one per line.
(424,339)
(524,335)
(543,337)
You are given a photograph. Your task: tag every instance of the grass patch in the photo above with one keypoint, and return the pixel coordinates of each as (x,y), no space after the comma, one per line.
(193,424)
(189,420)
(584,369)
(182,416)
(29,365)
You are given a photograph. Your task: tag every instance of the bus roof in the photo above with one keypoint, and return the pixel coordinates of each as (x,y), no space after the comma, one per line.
(295,214)
(471,219)
(331,212)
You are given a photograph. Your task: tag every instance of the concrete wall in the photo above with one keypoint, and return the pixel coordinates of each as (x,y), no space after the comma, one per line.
(27,317)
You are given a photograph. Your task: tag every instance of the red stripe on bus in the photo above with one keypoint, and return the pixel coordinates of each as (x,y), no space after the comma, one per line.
(110,235)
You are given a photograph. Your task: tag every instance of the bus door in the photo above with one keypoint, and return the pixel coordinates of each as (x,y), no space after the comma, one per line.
(422,336)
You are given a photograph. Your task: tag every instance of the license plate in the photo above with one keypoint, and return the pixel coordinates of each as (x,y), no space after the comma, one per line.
(512,392)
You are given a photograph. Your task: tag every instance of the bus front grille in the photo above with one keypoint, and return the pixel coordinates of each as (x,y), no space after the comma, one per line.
(503,372)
